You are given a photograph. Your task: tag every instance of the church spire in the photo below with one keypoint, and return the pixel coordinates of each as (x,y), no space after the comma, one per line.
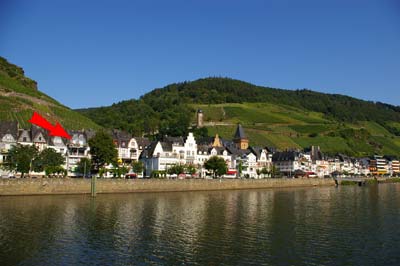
(240,139)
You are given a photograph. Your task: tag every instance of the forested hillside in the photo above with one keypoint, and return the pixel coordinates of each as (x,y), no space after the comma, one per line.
(274,117)
(19,97)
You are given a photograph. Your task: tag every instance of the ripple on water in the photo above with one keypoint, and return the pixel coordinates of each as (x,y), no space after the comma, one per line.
(303,226)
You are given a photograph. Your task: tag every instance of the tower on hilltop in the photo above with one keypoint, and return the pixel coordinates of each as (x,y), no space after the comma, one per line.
(240,139)
(199,118)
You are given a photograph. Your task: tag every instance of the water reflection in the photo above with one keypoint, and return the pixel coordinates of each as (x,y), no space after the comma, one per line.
(303,226)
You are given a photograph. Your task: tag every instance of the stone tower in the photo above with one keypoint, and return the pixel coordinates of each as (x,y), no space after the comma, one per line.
(240,139)
(199,118)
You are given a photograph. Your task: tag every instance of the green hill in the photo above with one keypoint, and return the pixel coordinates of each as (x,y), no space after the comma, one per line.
(271,117)
(19,97)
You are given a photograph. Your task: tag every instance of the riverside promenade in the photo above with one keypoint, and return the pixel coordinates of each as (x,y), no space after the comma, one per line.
(49,186)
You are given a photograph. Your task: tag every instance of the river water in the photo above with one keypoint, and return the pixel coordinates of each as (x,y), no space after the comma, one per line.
(303,226)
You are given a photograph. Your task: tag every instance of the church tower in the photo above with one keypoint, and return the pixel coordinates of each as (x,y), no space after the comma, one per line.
(240,139)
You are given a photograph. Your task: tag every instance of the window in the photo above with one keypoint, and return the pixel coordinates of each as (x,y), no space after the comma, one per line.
(24,139)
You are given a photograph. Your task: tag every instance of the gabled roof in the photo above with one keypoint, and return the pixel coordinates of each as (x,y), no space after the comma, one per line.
(239,134)
(219,150)
(121,136)
(9,128)
(271,149)
(174,140)
(24,132)
(35,131)
(203,148)
(205,141)
(143,142)
(166,146)
(256,151)
(149,150)
(235,151)
(63,141)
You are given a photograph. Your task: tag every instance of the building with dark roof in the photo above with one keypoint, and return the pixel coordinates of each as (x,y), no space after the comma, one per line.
(240,139)
(286,162)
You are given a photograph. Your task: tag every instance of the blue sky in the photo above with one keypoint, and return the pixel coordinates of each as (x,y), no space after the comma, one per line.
(94,53)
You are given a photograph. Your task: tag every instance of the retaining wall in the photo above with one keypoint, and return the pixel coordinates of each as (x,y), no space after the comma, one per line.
(82,186)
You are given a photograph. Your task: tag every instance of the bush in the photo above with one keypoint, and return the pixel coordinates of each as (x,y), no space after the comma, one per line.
(348,183)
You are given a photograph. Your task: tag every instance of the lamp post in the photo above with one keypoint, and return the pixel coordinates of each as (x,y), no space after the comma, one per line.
(67,154)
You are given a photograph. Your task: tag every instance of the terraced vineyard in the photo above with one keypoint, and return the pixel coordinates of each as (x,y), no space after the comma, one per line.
(286,127)
(19,97)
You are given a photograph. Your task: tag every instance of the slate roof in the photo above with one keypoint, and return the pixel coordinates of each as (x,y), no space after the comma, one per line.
(35,130)
(256,151)
(149,150)
(203,148)
(220,150)
(25,132)
(166,146)
(235,151)
(174,140)
(284,156)
(121,136)
(271,149)
(9,128)
(51,141)
(205,141)
(239,134)
(142,142)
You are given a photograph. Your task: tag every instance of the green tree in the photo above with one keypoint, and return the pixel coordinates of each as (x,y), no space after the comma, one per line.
(216,165)
(55,170)
(137,167)
(49,161)
(258,171)
(190,169)
(158,174)
(240,168)
(119,171)
(84,166)
(20,159)
(274,171)
(264,171)
(176,169)
(201,132)
(103,150)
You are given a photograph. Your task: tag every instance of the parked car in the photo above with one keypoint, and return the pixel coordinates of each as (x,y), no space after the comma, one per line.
(131,176)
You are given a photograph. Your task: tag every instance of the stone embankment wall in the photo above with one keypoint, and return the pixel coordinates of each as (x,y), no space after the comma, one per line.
(82,186)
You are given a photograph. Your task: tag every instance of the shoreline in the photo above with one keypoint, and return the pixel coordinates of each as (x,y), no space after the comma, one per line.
(69,186)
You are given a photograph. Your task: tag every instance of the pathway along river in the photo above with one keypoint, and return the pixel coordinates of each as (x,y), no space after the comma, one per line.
(349,225)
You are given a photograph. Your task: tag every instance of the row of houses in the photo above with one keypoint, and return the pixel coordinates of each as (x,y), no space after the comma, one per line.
(241,159)
(73,150)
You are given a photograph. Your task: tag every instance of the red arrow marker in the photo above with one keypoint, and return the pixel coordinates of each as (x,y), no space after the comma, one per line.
(56,130)
(40,121)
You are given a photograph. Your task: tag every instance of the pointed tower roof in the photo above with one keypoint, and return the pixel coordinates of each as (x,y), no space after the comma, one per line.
(217,141)
(239,132)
